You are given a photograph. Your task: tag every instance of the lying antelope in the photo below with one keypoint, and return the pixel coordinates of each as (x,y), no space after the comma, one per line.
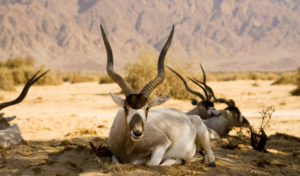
(205,108)
(10,135)
(156,137)
(219,122)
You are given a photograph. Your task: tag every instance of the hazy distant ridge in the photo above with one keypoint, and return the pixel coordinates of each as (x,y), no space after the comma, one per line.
(224,35)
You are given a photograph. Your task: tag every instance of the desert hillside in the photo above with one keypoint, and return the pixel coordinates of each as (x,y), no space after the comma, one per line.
(224,35)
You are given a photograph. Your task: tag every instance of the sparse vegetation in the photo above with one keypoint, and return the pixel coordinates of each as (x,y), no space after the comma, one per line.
(104,78)
(17,71)
(78,77)
(145,69)
(256,135)
(297,90)
(286,78)
(232,76)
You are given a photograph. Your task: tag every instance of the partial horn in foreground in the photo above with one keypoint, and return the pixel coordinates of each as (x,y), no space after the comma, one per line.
(109,67)
(24,91)
(151,85)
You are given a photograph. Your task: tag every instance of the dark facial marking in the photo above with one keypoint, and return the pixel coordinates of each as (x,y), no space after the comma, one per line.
(136,120)
(136,101)
(234,110)
(207,104)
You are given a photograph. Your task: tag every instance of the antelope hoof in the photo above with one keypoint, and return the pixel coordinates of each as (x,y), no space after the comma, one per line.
(213,164)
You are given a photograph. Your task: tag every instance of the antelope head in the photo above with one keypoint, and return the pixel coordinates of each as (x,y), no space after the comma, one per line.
(135,106)
(205,108)
(4,121)
(236,116)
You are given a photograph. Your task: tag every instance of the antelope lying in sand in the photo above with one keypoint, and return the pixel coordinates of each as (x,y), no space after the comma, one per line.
(10,135)
(219,122)
(155,137)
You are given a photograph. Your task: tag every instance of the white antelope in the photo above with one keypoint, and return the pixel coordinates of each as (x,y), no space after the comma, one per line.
(155,137)
(219,122)
(10,135)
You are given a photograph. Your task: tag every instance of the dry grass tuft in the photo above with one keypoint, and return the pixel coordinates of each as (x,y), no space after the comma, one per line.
(145,69)
(78,77)
(17,71)
(258,138)
(104,78)
(297,90)
(286,78)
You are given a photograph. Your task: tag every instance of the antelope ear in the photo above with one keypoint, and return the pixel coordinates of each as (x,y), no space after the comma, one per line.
(8,119)
(159,100)
(117,99)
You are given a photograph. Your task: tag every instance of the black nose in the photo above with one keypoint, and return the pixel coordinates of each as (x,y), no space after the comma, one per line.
(137,133)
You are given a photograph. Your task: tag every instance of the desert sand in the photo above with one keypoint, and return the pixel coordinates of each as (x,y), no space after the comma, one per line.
(58,122)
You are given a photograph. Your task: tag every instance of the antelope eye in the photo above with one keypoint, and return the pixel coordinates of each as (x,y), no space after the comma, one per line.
(194,102)
(147,109)
(126,110)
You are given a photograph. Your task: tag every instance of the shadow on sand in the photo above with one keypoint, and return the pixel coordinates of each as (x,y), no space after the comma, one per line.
(74,156)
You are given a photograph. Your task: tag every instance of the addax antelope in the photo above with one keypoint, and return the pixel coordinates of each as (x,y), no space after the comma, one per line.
(155,137)
(10,135)
(219,122)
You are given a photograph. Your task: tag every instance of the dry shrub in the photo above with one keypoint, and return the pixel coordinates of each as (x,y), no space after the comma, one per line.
(78,77)
(51,78)
(17,71)
(104,78)
(259,139)
(256,135)
(6,80)
(144,69)
(232,76)
(286,78)
(297,90)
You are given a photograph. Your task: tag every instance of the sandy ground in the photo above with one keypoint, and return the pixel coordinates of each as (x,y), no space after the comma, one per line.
(57,123)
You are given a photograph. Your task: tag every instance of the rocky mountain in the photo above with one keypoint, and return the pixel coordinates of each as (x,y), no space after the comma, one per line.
(231,35)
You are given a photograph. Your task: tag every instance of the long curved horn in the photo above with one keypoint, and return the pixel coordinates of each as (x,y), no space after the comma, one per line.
(24,91)
(109,67)
(203,73)
(195,82)
(151,85)
(229,102)
(186,86)
(209,89)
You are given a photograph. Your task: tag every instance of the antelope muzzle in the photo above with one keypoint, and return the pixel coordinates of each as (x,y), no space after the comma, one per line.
(136,127)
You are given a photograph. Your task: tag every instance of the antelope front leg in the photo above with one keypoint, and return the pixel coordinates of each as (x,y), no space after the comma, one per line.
(158,153)
(203,140)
